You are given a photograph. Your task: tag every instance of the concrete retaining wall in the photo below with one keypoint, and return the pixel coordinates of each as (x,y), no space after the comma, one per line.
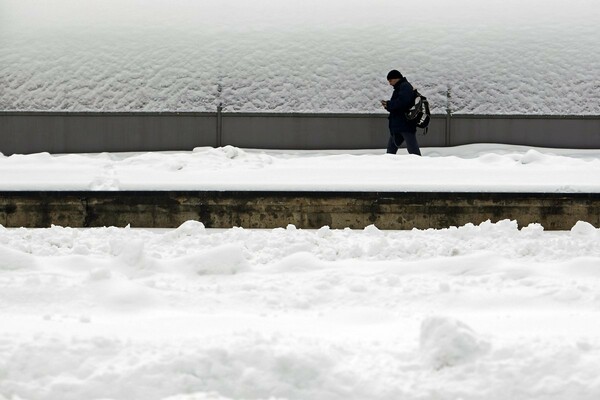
(55,132)
(303,209)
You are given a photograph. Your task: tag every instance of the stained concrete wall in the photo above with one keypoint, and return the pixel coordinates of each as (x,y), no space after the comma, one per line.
(31,132)
(303,209)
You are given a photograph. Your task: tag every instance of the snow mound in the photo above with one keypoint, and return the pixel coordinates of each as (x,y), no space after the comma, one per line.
(13,259)
(129,252)
(223,260)
(232,151)
(188,228)
(533,156)
(447,342)
(582,228)
(298,262)
(138,261)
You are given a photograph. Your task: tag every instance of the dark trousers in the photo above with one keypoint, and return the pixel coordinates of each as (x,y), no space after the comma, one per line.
(397,138)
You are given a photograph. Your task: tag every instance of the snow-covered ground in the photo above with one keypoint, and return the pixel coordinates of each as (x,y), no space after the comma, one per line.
(475,312)
(470,168)
(497,56)
(472,312)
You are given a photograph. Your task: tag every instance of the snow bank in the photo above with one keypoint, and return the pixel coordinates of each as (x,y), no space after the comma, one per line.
(472,168)
(501,56)
(488,311)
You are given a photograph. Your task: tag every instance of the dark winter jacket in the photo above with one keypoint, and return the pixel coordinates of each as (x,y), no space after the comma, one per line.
(402,100)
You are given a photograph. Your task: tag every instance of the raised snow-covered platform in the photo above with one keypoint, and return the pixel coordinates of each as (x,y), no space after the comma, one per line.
(260,209)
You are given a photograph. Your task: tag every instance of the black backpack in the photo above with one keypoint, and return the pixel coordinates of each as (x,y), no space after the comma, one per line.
(420,112)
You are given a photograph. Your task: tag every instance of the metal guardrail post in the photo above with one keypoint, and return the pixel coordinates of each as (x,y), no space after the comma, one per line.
(220,125)
(448,137)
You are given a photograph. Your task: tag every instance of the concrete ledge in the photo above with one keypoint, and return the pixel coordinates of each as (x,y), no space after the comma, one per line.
(402,210)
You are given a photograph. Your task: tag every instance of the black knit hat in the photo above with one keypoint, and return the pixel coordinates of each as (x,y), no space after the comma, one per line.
(394,74)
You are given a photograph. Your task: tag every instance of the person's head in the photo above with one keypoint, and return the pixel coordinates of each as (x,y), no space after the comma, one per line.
(394,76)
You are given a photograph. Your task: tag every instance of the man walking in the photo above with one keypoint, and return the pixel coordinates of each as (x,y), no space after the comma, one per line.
(401,129)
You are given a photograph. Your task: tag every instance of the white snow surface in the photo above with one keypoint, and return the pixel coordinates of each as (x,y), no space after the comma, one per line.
(496,56)
(469,168)
(474,312)
(488,312)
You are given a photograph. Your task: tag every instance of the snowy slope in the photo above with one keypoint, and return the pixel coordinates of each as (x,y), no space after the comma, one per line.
(496,56)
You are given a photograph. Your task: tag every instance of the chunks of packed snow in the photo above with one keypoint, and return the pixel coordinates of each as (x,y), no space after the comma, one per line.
(447,342)
(478,311)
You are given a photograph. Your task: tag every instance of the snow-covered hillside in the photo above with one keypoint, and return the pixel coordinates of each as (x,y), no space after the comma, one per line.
(496,56)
